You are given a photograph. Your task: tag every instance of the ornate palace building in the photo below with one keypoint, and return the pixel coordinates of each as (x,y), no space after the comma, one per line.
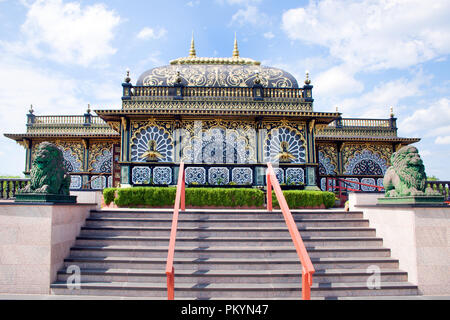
(225,118)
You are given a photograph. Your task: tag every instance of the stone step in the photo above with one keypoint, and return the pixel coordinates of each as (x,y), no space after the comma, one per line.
(231,276)
(228,241)
(229,264)
(226,232)
(190,222)
(226,252)
(225,214)
(233,290)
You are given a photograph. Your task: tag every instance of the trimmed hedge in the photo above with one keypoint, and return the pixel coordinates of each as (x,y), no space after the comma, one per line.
(305,198)
(224,197)
(146,196)
(215,197)
(109,195)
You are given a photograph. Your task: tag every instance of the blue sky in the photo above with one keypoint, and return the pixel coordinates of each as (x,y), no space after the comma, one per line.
(363,56)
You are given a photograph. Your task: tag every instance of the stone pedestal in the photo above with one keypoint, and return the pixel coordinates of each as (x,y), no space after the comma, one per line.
(34,240)
(411,200)
(44,197)
(417,234)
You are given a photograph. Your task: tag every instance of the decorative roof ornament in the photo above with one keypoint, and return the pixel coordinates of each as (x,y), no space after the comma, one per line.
(257,78)
(234,60)
(307,80)
(192,53)
(235,50)
(127,78)
(178,77)
(337,109)
(89,108)
(31,109)
(392,112)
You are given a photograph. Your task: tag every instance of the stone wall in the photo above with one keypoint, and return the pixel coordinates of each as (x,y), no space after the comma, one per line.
(34,240)
(417,235)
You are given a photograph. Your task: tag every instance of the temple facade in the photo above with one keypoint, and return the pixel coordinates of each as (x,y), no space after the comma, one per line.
(225,118)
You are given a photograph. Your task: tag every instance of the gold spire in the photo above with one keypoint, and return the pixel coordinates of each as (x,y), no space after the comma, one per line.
(235,50)
(192,53)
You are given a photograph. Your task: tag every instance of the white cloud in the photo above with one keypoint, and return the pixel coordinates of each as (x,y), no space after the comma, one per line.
(433,121)
(377,102)
(442,140)
(239,2)
(68,33)
(269,35)
(337,81)
(150,33)
(250,14)
(374,34)
(193,3)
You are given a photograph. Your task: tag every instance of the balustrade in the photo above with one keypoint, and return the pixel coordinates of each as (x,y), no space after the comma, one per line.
(229,92)
(10,186)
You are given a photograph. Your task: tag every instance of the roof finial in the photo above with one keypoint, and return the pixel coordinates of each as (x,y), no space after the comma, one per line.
(31,109)
(235,50)
(337,109)
(127,78)
(392,112)
(89,108)
(192,53)
(307,80)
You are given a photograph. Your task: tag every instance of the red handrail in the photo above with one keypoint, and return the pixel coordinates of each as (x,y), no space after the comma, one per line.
(307,267)
(179,202)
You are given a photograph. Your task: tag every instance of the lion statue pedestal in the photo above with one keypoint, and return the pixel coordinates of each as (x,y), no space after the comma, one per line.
(405,181)
(49,179)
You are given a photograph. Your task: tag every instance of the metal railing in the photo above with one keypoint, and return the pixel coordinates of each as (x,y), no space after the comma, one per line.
(307,267)
(179,203)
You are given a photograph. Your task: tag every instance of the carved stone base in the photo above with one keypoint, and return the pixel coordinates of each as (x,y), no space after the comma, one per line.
(412,200)
(46,198)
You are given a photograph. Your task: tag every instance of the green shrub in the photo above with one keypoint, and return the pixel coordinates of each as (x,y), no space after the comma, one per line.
(305,198)
(108,195)
(198,197)
(219,197)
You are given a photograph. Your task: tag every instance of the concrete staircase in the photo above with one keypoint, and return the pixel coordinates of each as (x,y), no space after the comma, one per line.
(229,255)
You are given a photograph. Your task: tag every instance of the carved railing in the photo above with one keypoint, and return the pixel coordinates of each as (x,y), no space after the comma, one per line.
(359,127)
(216,92)
(74,120)
(10,186)
(442,186)
(355,122)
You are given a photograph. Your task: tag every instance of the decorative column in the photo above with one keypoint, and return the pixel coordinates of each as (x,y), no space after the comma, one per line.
(85,143)
(311,171)
(125,178)
(340,157)
(259,172)
(27,144)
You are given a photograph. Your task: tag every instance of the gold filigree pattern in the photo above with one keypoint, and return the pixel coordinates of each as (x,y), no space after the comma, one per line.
(206,107)
(330,154)
(218,76)
(237,137)
(96,149)
(284,131)
(349,150)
